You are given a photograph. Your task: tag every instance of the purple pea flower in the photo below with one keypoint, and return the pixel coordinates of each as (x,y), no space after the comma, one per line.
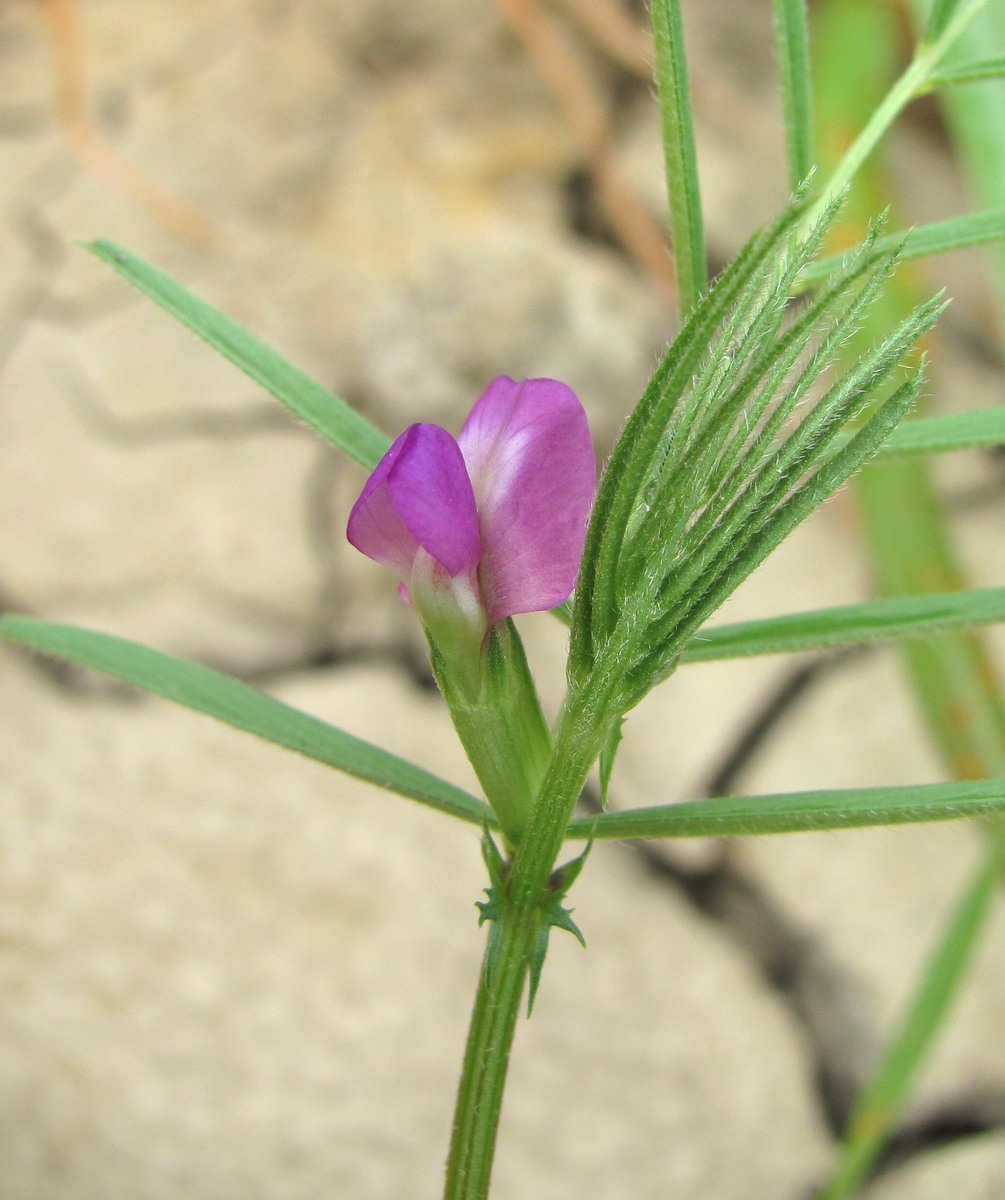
(489,524)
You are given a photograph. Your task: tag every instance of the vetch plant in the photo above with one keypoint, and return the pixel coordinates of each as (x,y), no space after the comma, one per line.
(479,529)
(751,420)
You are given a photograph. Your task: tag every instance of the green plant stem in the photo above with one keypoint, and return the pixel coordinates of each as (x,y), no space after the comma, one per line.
(976,118)
(911,84)
(687,233)
(581,732)
(486,1059)
(792,36)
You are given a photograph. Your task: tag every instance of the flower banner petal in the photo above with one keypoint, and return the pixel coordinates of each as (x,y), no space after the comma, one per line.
(528,451)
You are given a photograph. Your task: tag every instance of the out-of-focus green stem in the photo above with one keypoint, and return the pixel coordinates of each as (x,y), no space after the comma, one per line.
(976,119)
(911,551)
(912,83)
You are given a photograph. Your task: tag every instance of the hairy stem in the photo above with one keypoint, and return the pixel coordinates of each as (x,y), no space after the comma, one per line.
(911,84)
(579,737)
(486,1058)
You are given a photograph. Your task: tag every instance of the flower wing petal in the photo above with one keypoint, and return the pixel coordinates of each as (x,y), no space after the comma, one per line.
(375,527)
(528,451)
(432,494)
(418,495)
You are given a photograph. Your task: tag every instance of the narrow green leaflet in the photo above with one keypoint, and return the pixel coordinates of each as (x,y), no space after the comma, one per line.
(853,624)
(879,1106)
(243,707)
(941,14)
(939,237)
(686,226)
(606,761)
(792,35)
(971,72)
(941,435)
(799,812)
(937,435)
(324,412)
(563,612)
(699,489)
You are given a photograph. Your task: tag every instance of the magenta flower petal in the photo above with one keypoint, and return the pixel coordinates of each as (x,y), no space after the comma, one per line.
(489,525)
(528,451)
(374,527)
(418,495)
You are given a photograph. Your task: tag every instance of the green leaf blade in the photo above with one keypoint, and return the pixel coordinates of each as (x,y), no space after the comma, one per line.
(799,812)
(924,241)
(245,708)
(979,71)
(849,625)
(698,489)
(335,420)
(939,435)
(741,543)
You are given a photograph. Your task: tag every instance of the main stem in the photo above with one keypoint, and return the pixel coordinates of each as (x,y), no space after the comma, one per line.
(486,1058)
(500,988)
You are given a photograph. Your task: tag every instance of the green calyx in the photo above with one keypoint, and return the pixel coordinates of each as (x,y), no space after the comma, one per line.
(500,724)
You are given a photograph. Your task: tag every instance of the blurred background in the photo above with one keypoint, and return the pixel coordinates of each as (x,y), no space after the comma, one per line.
(226,973)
